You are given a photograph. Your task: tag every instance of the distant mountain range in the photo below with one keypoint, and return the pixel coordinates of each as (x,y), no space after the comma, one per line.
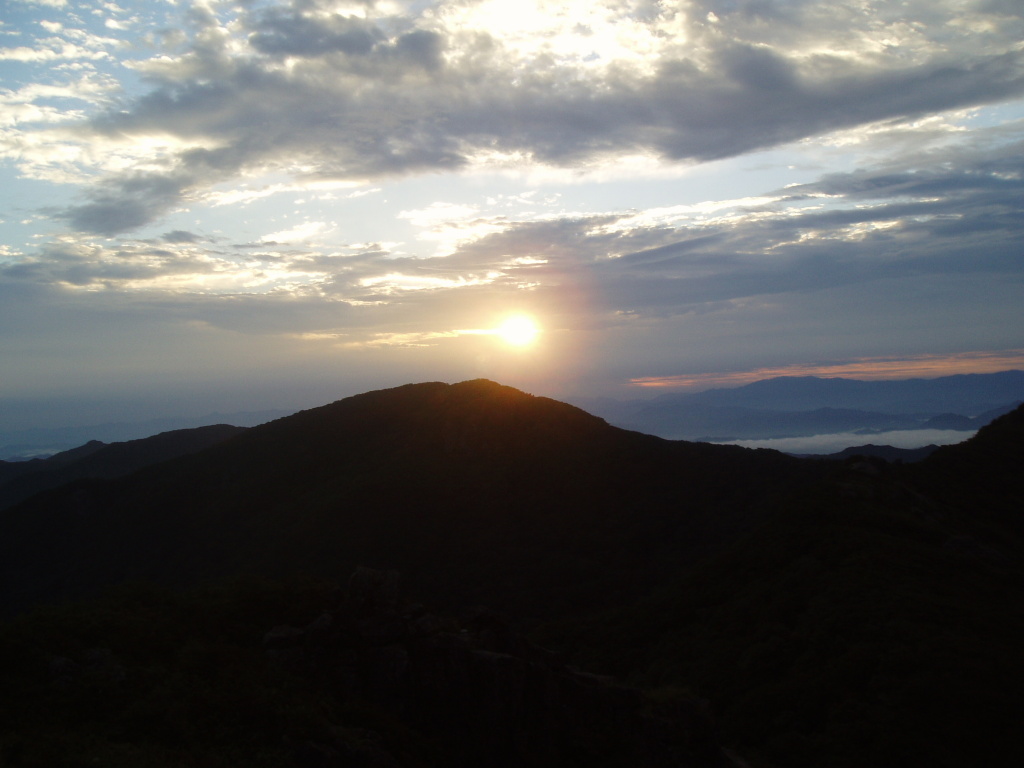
(796,406)
(40,443)
(795,612)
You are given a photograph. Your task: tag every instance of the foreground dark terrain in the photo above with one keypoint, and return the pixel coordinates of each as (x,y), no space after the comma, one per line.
(240,604)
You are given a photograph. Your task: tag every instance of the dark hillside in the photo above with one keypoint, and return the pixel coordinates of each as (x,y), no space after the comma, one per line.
(477,491)
(984,478)
(992,458)
(841,613)
(308,674)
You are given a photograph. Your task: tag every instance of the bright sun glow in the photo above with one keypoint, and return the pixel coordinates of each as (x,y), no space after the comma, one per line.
(518,330)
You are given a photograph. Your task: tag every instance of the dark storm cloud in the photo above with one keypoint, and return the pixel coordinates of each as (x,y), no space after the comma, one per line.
(376,97)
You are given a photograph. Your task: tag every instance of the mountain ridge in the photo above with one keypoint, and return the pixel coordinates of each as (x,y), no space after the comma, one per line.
(783,406)
(96,460)
(398,467)
(858,610)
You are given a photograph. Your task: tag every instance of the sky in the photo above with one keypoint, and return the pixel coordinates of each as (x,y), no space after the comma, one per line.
(237,205)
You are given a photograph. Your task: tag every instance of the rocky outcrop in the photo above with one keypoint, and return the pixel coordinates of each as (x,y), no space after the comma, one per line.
(478,690)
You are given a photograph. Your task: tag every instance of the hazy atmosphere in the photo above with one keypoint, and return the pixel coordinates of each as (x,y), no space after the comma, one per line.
(248,205)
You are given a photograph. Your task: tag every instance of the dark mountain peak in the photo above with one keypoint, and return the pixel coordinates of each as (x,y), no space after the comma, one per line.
(459,483)
(430,418)
(69,456)
(463,398)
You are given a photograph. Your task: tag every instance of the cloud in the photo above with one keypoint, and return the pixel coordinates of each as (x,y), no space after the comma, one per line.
(914,241)
(370,96)
(279,33)
(299,233)
(957,218)
(181,236)
(127,203)
(946,221)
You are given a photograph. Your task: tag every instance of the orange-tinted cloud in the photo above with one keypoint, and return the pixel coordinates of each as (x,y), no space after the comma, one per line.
(916,366)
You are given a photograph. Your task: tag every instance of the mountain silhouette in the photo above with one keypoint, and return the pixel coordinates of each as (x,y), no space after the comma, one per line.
(872,619)
(461,486)
(842,612)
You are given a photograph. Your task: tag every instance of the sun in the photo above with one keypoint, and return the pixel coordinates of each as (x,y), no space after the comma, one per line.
(518,330)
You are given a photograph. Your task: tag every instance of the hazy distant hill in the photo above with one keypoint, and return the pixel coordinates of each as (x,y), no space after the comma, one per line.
(28,443)
(806,405)
(844,613)
(969,394)
(22,479)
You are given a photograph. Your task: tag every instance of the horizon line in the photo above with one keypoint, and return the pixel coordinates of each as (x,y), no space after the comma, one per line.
(866,368)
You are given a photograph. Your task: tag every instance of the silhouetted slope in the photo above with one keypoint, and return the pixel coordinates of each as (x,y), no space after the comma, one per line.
(845,614)
(983,476)
(477,491)
(11,470)
(873,620)
(994,455)
(43,441)
(96,460)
